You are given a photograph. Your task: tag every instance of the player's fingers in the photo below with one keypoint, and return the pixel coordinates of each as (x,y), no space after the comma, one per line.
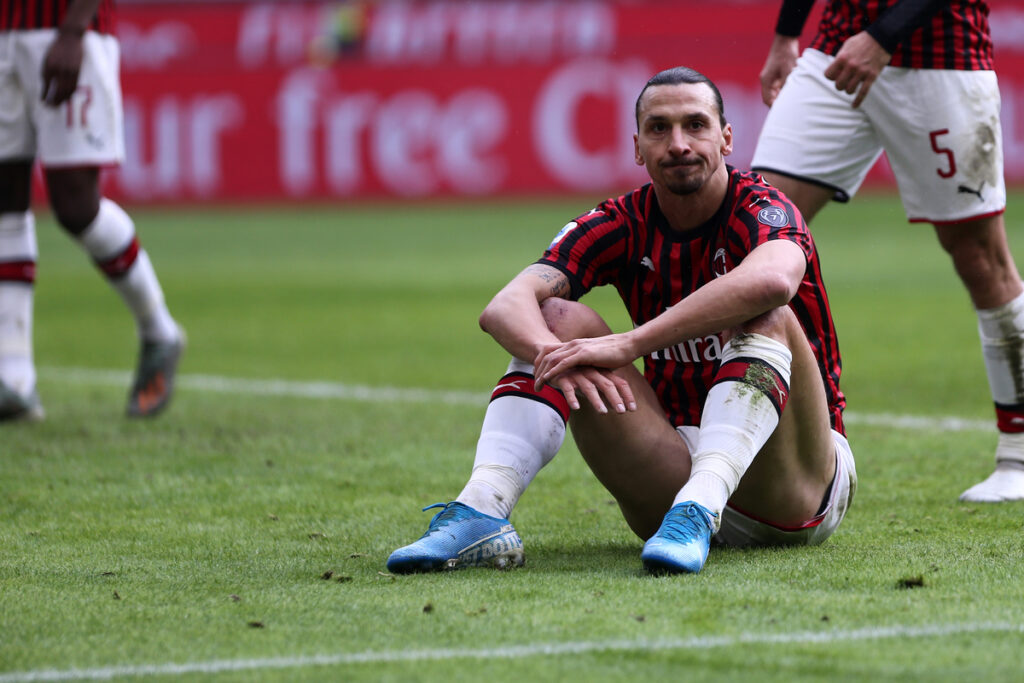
(863,92)
(543,362)
(625,391)
(568,389)
(593,395)
(833,70)
(607,388)
(548,368)
(65,87)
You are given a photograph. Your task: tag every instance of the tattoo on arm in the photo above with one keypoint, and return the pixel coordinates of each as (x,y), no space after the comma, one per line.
(556,280)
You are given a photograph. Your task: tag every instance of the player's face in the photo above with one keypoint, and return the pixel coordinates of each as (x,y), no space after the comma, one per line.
(680,140)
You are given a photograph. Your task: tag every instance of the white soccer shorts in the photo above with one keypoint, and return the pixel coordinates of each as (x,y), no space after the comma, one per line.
(739,529)
(939,128)
(87,130)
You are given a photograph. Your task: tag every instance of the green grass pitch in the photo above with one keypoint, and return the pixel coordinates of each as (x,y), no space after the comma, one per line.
(334,385)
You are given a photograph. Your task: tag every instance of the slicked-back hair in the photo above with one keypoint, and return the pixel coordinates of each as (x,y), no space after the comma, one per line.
(675,76)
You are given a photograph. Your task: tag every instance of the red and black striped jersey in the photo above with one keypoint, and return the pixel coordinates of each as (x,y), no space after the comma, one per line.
(918,34)
(627,242)
(20,15)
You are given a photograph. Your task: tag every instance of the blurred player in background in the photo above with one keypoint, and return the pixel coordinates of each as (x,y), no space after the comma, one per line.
(913,78)
(60,103)
(721,279)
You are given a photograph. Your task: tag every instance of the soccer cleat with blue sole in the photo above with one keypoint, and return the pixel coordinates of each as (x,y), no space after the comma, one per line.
(459,536)
(681,543)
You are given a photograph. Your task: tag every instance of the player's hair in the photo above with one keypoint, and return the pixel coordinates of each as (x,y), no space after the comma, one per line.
(675,76)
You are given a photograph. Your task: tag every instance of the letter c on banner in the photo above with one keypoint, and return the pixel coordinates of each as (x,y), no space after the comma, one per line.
(556,112)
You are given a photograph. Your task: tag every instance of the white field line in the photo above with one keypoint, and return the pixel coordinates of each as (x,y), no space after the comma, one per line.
(371,394)
(511,651)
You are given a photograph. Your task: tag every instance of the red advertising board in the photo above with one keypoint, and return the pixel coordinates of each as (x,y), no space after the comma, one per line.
(361,99)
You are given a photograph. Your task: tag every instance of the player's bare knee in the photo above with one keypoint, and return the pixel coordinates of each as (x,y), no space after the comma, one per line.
(74,197)
(572,320)
(778,324)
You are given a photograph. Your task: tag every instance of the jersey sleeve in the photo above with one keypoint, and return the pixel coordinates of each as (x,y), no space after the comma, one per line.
(765,215)
(589,249)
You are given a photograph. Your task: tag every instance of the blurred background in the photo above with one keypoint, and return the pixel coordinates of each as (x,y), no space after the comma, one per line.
(278,101)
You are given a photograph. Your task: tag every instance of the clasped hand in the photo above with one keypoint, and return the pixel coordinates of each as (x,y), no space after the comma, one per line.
(586,367)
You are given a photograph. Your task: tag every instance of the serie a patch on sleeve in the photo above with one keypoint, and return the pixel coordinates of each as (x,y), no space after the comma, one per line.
(774,216)
(562,233)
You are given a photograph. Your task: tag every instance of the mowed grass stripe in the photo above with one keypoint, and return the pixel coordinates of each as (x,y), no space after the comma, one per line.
(370,394)
(515,651)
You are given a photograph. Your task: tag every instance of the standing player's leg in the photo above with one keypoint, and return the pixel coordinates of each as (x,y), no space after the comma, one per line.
(76,139)
(809,198)
(764,449)
(107,234)
(984,263)
(948,159)
(18,253)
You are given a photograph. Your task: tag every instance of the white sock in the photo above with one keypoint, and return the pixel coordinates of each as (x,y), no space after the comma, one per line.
(1002,343)
(18,255)
(741,412)
(522,431)
(111,242)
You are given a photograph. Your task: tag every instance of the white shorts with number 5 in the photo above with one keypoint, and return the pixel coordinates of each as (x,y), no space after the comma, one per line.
(87,130)
(940,130)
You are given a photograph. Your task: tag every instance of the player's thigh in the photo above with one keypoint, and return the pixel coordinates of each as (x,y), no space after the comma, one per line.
(790,475)
(814,134)
(638,455)
(87,129)
(942,134)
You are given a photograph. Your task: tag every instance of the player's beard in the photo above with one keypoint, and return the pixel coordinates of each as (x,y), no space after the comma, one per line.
(686,183)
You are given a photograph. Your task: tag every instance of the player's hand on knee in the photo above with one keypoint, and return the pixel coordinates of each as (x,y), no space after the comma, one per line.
(602,389)
(610,351)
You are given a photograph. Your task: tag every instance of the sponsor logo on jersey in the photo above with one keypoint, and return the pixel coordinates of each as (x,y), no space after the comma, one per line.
(699,350)
(647,263)
(773,216)
(563,232)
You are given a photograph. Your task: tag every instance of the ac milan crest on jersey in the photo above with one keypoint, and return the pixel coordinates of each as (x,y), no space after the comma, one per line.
(719,265)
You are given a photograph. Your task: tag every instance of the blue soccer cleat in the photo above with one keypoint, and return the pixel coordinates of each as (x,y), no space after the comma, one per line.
(681,542)
(459,536)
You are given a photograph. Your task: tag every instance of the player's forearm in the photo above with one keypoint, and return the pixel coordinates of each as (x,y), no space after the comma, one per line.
(513,318)
(766,279)
(718,306)
(79,16)
(902,19)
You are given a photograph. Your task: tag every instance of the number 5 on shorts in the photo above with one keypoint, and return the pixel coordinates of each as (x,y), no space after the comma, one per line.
(951,171)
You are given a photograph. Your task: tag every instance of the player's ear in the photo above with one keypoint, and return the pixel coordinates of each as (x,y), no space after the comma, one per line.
(637,156)
(727,140)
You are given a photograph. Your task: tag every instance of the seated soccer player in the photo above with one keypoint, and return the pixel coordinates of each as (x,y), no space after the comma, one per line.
(734,429)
